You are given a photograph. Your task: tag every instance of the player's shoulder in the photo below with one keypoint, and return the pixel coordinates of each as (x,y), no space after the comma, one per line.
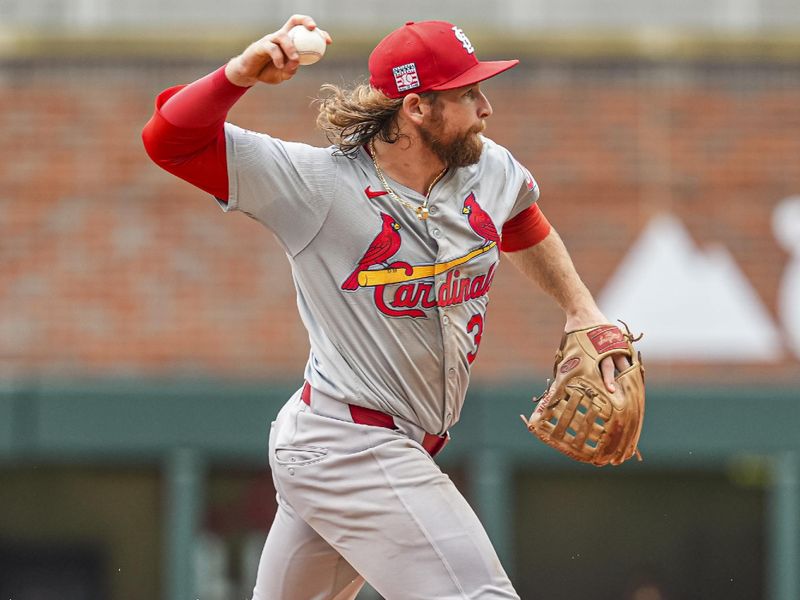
(247,136)
(495,155)
(499,159)
(492,147)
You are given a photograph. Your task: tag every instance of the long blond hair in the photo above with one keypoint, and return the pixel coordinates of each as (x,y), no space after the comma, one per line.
(350,117)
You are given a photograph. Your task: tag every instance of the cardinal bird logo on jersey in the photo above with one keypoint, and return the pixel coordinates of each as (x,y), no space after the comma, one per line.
(382,248)
(479,220)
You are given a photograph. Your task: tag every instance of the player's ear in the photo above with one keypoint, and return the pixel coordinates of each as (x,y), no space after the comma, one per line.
(412,108)
(418,107)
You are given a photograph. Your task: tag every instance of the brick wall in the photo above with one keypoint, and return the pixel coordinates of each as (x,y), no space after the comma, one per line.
(111,267)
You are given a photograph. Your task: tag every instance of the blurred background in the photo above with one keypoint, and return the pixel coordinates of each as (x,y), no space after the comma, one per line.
(147,340)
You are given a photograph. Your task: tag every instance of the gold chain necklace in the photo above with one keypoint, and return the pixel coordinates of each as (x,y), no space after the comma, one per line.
(422,209)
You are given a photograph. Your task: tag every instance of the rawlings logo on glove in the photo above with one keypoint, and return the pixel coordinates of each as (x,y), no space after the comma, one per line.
(577,415)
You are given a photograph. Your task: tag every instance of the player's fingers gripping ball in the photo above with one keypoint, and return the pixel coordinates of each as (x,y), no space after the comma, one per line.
(310,43)
(577,415)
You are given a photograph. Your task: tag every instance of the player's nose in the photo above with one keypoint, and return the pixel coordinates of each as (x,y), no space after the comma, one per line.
(484,107)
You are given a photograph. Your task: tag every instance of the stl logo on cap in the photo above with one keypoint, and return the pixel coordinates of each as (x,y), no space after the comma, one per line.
(405,77)
(462,37)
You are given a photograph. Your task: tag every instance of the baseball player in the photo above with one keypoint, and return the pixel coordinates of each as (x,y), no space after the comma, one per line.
(394,234)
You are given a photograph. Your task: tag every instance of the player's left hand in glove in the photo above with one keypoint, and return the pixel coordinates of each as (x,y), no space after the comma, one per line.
(578,415)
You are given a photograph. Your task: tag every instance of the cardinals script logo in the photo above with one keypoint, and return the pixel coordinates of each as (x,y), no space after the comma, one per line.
(413,286)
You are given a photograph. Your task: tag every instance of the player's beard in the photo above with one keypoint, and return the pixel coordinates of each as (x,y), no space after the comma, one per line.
(461,150)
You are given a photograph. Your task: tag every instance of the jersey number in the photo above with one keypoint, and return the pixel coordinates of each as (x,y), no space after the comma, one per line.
(475,327)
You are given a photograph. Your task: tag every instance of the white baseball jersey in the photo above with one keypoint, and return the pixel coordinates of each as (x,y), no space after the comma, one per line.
(394,305)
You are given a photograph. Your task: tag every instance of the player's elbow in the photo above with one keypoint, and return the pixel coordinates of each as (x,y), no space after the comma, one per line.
(156,144)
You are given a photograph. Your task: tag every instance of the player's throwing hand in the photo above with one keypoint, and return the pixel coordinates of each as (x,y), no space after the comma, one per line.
(273,58)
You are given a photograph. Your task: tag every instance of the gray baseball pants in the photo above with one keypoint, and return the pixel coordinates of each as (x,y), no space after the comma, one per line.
(360,501)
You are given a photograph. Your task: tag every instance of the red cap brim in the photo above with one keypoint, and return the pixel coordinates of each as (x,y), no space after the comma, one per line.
(479,72)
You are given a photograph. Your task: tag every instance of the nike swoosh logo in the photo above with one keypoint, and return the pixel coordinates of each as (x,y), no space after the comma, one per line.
(374,194)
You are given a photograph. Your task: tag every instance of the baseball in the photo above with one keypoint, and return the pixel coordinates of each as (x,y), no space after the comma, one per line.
(309,43)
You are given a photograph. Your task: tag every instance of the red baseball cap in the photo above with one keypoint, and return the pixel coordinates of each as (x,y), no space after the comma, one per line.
(428,56)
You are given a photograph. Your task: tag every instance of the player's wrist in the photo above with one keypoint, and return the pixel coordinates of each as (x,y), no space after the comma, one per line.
(237,75)
(583,318)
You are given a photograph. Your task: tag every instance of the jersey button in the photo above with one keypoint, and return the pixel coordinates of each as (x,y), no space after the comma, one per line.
(451,373)
(433,210)
(436,233)
(446,320)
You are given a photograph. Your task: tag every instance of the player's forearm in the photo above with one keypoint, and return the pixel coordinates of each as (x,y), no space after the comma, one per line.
(203,103)
(548,264)
(186,134)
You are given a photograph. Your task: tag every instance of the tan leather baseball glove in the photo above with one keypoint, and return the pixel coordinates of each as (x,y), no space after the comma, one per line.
(577,415)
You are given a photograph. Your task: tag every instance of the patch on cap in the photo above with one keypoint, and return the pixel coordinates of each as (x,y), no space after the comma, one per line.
(405,77)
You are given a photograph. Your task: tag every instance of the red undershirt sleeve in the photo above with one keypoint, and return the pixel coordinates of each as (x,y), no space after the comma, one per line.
(186,134)
(526,229)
